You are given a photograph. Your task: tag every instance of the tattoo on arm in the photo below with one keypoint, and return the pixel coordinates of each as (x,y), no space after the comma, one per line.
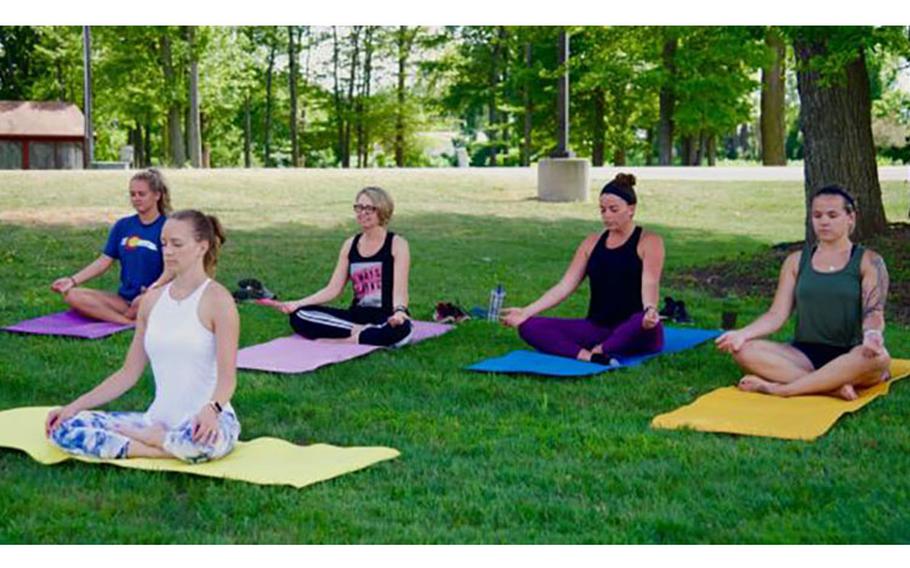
(875,296)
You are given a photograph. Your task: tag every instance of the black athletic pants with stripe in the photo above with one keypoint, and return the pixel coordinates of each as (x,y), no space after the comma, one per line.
(318,322)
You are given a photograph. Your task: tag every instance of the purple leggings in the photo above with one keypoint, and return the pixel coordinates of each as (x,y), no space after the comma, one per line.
(566,337)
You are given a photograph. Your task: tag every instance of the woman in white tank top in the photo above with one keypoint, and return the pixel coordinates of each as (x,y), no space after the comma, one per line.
(188,330)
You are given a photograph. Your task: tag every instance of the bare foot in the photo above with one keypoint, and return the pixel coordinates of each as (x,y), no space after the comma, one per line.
(584,355)
(754,383)
(846,392)
(597,349)
(150,435)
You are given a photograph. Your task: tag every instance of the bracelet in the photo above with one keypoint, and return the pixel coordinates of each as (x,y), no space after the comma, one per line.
(875,331)
(650,307)
(216,406)
(403,309)
(73,280)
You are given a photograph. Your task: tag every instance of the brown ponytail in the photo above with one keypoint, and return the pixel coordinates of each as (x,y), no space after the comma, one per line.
(205,228)
(158,184)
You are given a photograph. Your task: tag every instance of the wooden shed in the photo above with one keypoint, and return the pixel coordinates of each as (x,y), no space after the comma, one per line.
(41,135)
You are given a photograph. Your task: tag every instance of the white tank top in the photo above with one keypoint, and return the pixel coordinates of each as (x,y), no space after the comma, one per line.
(182,352)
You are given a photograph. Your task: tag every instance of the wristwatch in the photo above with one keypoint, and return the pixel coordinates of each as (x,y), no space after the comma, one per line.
(216,406)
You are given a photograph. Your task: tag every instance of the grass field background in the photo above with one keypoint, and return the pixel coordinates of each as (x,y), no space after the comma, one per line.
(484,458)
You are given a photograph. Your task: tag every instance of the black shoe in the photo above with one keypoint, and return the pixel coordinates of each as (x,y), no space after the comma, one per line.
(252,289)
(602,359)
(681,315)
(669,309)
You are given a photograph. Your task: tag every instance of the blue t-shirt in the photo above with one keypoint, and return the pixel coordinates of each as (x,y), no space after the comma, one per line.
(138,248)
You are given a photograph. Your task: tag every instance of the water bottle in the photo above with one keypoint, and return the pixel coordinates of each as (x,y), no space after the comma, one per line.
(497,295)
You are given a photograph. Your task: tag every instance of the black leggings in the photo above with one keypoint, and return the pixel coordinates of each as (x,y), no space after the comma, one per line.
(321,322)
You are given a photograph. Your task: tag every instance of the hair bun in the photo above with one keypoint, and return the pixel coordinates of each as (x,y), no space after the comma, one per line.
(627,180)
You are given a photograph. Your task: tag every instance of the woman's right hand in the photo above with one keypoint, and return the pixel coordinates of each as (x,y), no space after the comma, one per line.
(513,317)
(63,285)
(56,417)
(283,307)
(731,341)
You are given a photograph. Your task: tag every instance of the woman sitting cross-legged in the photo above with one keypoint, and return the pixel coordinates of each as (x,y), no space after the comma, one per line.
(377,262)
(623,264)
(838,291)
(135,242)
(189,330)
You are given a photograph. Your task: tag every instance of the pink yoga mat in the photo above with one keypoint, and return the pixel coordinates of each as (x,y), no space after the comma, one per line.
(70,324)
(295,354)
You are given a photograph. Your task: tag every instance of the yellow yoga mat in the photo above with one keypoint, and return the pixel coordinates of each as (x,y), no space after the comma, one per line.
(733,411)
(266,461)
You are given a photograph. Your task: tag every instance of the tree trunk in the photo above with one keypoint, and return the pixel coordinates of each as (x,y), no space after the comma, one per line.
(712,150)
(349,103)
(292,88)
(404,39)
(135,138)
(667,104)
(268,104)
(363,135)
(336,94)
(194,126)
(148,145)
(247,134)
(529,109)
(492,89)
(174,139)
(837,134)
(649,155)
(599,128)
(773,89)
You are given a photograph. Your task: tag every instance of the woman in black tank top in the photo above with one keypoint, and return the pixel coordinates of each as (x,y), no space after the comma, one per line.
(377,262)
(623,265)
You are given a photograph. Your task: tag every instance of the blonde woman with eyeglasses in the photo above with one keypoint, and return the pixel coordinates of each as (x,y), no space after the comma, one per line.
(377,263)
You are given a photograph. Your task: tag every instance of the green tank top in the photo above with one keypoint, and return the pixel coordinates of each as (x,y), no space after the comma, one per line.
(829,304)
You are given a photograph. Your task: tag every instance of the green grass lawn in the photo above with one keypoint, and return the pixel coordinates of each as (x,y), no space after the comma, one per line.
(495,459)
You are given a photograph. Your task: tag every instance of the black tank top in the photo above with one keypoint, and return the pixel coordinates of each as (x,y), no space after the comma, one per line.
(615,279)
(372,277)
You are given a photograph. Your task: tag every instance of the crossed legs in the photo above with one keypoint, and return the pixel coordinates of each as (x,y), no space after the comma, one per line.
(100,305)
(782,370)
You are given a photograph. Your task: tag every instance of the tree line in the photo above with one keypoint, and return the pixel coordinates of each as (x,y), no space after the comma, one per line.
(360,96)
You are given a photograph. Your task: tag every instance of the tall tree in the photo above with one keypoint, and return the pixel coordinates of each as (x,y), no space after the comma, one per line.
(194,126)
(667,98)
(169,64)
(404,42)
(835,118)
(293,72)
(17,53)
(773,90)
(272,42)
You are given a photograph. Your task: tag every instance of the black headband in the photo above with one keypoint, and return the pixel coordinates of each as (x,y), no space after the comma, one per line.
(620,191)
(836,190)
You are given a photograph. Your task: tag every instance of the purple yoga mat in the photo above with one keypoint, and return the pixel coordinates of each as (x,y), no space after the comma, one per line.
(70,324)
(295,354)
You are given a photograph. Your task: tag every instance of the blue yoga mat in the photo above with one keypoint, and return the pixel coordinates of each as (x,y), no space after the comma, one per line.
(536,363)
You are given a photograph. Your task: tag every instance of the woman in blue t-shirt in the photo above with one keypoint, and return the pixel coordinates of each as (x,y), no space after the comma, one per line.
(134,241)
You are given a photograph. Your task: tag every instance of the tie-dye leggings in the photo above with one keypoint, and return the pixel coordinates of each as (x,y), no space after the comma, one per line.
(94,434)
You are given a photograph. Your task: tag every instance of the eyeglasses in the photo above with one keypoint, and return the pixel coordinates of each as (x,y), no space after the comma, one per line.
(358,208)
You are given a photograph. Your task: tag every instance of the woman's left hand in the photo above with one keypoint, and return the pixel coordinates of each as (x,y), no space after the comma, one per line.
(398,318)
(205,426)
(651,318)
(873,344)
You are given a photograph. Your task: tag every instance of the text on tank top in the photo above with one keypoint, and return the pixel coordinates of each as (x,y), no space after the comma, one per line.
(615,280)
(372,277)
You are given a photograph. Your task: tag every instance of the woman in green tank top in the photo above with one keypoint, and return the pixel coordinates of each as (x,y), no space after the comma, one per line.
(838,291)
